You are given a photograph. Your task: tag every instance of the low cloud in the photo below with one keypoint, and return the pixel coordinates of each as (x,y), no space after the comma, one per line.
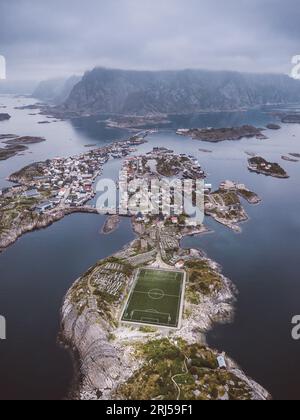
(59,38)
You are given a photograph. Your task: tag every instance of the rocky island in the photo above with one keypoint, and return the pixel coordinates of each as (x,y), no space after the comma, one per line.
(122,360)
(45,192)
(4,117)
(225,206)
(261,166)
(273,127)
(216,135)
(289,159)
(126,361)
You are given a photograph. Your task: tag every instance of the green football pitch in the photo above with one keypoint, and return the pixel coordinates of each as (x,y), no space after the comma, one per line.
(155,298)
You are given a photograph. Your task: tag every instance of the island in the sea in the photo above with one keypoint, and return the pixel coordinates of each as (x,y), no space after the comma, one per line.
(216,135)
(111,224)
(134,322)
(261,166)
(4,117)
(45,192)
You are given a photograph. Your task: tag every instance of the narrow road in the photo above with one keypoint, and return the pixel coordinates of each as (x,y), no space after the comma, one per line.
(176,376)
(179,374)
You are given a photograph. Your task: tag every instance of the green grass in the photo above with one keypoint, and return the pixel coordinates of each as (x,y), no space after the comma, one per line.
(155,298)
(195,368)
(202,280)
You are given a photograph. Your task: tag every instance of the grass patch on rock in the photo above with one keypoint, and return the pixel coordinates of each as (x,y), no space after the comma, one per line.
(202,279)
(193,368)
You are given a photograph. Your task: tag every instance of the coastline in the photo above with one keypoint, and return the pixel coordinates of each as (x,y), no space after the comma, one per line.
(24,181)
(111,224)
(265,173)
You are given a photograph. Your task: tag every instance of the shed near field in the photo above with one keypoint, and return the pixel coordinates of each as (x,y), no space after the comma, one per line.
(222,362)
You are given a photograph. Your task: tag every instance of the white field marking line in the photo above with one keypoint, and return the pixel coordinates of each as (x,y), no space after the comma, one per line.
(152,321)
(161,281)
(147,293)
(181,297)
(155,276)
(151,311)
(156,290)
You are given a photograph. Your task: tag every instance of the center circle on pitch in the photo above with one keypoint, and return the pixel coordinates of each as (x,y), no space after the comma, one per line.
(156,294)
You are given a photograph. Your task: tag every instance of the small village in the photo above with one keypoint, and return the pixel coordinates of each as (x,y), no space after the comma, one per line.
(109,278)
(67,182)
(46,192)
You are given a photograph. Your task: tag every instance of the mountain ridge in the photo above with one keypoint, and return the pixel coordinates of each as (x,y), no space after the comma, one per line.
(56,90)
(134,92)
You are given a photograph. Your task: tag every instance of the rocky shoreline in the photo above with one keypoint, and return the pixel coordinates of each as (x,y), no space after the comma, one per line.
(4,117)
(27,206)
(291,119)
(115,360)
(41,223)
(225,207)
(112,356)
(15,144)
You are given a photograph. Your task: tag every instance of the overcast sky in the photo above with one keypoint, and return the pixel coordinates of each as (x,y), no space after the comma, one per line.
(48,38)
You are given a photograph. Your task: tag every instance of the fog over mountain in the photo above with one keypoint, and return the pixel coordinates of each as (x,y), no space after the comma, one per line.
(56,90)
(143,92)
